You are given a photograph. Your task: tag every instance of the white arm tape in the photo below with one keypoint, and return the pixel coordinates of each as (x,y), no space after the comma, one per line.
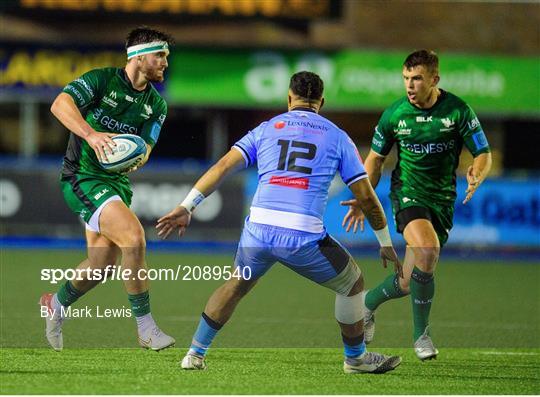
(383,236)
(192,200)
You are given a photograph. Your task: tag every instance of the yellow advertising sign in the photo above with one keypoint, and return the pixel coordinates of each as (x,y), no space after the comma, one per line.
(290,9)
(53,68)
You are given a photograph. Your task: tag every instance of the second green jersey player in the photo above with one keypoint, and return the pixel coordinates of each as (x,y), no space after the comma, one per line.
(112,105)
(429,126)
(95,107)
(429,146)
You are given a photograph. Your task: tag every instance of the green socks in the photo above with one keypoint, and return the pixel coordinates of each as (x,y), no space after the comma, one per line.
(68,294)
(388,289)
(140,303)
(422,287)
(422,291)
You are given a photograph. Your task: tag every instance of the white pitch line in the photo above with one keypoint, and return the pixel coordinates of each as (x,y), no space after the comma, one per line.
(499,353)
(390,323)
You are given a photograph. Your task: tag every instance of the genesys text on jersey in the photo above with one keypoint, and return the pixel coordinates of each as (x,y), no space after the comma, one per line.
(112,124)
(428,148)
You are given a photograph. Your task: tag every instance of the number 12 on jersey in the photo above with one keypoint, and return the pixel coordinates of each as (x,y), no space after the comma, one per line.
(293,155)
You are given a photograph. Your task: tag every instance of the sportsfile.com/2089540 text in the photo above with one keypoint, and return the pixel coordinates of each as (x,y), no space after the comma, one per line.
(119,273)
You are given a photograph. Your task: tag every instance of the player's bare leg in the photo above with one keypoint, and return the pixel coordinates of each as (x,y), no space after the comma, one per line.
(423,249)
(223,301)
(120,225)
(101,253)
(217,312)
(408,266)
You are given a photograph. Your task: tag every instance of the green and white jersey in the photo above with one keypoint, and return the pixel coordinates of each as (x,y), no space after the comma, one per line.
(111,105)
(429,142)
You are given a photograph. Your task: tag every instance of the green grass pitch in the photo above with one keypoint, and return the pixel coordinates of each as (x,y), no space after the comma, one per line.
(281,340)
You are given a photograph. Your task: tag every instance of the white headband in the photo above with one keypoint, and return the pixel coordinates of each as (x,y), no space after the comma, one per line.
(147,48)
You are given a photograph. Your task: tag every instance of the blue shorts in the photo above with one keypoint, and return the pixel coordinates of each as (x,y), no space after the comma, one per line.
(316,256)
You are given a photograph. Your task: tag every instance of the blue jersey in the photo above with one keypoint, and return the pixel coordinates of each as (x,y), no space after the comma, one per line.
(298,154)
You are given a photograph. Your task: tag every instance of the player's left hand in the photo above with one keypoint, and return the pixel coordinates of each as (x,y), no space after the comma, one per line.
(354,217)
(177,218)
(473,183)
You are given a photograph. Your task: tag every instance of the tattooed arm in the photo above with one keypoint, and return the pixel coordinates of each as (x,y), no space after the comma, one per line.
(369,203)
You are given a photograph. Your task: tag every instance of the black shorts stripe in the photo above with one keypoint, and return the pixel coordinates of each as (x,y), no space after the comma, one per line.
(74,182)
(354,177)
(245,153)
(335,253)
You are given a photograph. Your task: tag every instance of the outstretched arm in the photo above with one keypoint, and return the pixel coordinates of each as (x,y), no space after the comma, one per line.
(476,174)
(355,217)
(228,164)
(67,112)
(370,205)
(180,217)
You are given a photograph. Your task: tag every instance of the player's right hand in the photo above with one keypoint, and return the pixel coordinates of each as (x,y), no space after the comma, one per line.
(177,218)
(102,144)
(472,184)
(353,217)
(389,254)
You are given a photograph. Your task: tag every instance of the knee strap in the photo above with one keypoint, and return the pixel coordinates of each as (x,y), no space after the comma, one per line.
(344,281)
(349,309)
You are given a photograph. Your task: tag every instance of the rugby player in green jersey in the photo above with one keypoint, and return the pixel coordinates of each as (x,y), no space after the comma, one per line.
(113,101)
(429,127)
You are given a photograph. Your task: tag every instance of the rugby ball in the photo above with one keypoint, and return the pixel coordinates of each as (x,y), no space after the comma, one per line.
(129,150)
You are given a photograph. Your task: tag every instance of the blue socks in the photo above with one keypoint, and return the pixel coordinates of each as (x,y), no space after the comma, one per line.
(205,334)
(353,347)
(208,329)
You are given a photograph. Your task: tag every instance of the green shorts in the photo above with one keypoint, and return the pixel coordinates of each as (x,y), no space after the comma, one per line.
(85,195)
(407,208)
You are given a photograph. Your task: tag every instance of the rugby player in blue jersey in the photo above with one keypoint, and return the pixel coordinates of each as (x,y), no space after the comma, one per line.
(297,154)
